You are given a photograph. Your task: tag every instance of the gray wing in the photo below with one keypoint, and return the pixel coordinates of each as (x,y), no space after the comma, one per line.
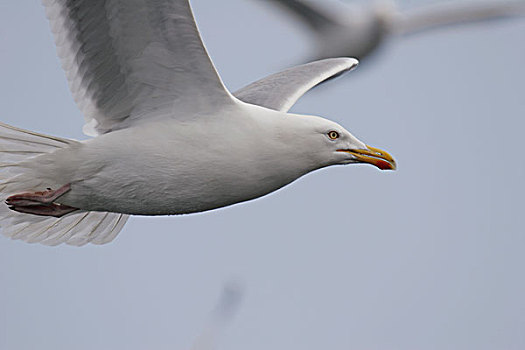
(281,91)
(313,14)
(128,59)
(453,13)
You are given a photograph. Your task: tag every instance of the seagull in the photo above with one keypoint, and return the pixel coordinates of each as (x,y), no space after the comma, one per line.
(168,137)
(359,30)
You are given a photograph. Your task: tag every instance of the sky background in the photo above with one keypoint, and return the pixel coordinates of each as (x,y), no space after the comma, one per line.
(428,257)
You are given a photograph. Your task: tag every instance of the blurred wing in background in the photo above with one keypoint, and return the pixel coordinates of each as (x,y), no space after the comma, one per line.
(359,30)
(311,13)
(125,59)
(282,90)
(455,13)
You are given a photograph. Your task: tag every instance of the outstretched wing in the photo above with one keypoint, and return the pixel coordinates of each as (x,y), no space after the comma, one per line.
(281,91)
(454,13)
(128,59)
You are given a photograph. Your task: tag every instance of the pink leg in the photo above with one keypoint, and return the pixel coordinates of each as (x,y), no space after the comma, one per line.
(53,209)
(36,198)
(40,203)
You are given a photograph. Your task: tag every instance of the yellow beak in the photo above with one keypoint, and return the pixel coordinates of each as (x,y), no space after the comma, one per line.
(374,156)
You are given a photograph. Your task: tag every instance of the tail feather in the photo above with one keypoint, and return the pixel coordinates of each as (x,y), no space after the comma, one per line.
(17,146)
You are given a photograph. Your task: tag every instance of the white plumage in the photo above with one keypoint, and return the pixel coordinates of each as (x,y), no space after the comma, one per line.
(171,138)
(18,149)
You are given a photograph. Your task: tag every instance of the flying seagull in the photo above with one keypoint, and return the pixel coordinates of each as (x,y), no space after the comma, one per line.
(357,31)
(169,137)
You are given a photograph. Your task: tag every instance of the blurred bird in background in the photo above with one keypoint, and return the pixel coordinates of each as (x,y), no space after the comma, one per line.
(359,30)
(225,310)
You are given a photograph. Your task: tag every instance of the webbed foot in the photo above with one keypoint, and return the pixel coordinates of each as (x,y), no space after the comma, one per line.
(40,203)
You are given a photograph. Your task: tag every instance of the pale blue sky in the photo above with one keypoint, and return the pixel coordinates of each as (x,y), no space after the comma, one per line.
(428,257)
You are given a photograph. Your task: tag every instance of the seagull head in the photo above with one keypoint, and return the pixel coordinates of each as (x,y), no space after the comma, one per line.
(331,144)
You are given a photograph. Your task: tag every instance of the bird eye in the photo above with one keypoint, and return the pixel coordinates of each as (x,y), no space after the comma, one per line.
(333,135)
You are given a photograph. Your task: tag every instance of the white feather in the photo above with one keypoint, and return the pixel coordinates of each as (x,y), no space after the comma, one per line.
(18,149)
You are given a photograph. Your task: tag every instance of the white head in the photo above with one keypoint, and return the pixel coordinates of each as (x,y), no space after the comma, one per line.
(327,143)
